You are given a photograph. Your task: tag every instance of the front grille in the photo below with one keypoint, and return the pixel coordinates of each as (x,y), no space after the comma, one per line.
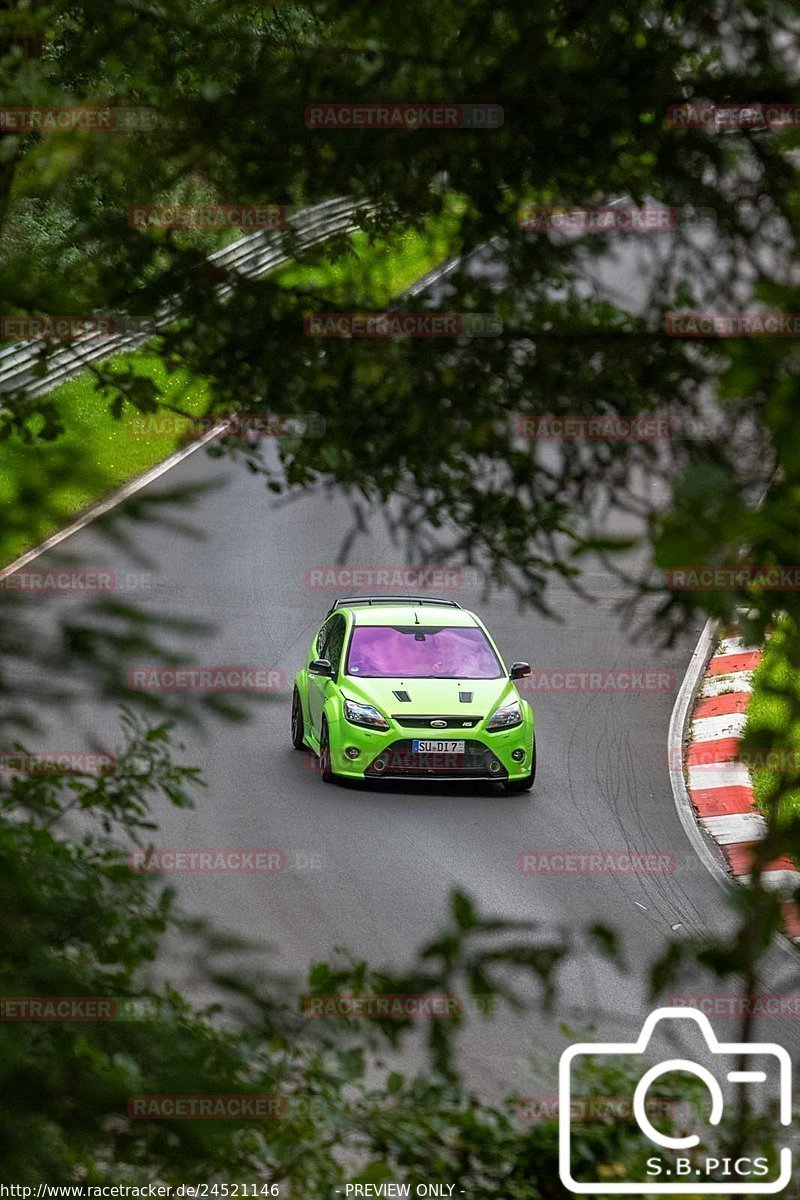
(402,762)
(426,722)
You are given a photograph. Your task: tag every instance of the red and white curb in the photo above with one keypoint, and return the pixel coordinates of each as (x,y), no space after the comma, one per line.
(719,787)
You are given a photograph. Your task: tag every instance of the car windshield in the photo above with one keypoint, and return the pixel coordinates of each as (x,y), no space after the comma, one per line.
(421,652)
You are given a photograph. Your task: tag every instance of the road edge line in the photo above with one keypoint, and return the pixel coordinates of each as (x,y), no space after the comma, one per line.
(101,507)
(704,845)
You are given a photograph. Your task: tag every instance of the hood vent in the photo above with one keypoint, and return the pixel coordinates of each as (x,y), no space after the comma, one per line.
(403,697)
(465,697)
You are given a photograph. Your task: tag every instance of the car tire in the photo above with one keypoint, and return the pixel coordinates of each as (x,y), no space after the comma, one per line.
(526,783)
(298,726)
(325,769)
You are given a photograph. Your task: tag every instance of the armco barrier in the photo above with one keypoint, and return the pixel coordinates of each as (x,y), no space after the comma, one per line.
(251,256)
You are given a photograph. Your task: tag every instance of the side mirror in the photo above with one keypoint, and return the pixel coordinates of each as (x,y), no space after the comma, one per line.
(320,666)
(518,669)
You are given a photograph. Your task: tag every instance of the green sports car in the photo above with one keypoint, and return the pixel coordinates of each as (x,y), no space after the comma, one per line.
(399,687)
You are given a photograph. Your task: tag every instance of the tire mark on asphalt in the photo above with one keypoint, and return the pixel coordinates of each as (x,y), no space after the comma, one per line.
(665,892)
(620,803)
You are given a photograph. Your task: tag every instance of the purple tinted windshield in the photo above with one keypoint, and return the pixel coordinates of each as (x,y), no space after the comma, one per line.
(414,652)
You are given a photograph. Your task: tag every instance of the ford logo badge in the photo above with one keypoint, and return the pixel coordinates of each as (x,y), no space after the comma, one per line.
(438,724)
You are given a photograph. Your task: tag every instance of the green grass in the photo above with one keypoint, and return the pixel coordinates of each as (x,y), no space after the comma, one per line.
(770,730)
(373,274)
(46,483)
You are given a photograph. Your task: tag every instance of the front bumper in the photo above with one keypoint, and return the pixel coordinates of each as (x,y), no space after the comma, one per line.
(389,754)
(399,761)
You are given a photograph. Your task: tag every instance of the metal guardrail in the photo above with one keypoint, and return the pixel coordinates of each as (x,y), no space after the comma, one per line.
(251,256)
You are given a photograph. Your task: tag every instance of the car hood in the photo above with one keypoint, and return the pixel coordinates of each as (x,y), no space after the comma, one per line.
(431,697)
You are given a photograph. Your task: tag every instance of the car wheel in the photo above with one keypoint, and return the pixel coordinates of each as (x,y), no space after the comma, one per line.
(298,728)
(526,783)
(325,769)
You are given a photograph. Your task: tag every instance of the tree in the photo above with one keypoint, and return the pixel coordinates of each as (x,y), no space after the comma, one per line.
(231,124)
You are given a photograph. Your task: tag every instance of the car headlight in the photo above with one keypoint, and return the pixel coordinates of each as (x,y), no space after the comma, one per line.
(364,714)
(506,717)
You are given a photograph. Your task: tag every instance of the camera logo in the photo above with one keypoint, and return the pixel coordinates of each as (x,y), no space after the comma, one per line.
(679,1171)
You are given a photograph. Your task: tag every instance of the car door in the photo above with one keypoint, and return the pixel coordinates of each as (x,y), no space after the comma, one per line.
(330,643)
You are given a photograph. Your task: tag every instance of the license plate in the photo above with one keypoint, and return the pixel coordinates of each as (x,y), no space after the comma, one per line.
(428,746)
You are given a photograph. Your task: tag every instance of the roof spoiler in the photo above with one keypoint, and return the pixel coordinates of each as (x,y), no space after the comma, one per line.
(346,601)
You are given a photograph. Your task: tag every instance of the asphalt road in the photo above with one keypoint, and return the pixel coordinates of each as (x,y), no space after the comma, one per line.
(389,855)
(386,857)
